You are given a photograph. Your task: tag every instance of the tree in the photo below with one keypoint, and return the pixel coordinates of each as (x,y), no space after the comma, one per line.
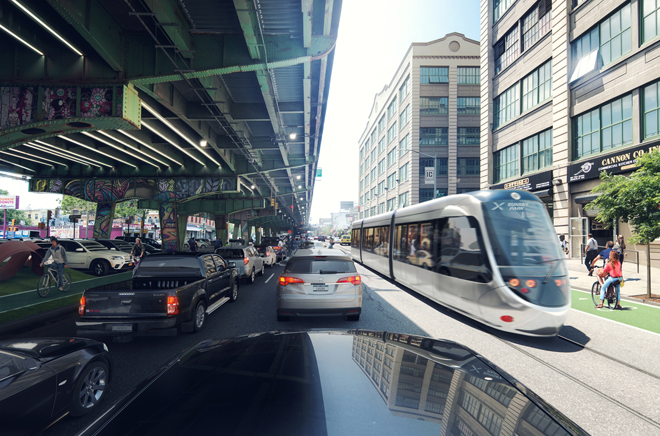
(634,200)
(13,214)
(68,204)
(129,209)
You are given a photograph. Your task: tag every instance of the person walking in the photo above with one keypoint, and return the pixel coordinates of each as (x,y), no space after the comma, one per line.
(192,244)
(138,251)
(59,260)
(218,243)
(622,248)
(563,244)
(590,252)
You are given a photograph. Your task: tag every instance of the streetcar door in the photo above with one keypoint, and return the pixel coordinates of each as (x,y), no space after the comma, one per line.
(579,231)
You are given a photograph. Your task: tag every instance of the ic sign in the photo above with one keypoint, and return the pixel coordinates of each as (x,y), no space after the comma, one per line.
(429,175)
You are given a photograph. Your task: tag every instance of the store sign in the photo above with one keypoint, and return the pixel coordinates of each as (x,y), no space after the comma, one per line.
(534,182)
(8,202)
(613,163)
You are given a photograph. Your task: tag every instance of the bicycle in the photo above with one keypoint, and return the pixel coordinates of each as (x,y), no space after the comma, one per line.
(43,288)
(610,294)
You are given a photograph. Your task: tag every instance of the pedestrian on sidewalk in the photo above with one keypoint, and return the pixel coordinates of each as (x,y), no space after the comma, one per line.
(218,243)
(622,248)
(59,260)
(563,243)
(590,252)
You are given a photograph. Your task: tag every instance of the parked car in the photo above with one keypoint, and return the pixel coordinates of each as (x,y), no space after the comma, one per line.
(268,255)
(168,291)
(150,241)
(272,241)
(247,259)
(319,282)
(116,244)
(150,249)
(298,382)
(43,380)
(201,243)
(88,254)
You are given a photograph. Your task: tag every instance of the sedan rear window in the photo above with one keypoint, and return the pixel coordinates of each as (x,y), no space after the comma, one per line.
(236,253)
(319,266)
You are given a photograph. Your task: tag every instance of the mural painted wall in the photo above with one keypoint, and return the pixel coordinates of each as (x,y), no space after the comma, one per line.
(168,225)
(113,190)
(103,220)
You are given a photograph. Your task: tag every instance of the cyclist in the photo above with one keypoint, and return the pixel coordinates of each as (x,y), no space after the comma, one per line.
(59,260)
(137,251)
(605,255)
(613,267)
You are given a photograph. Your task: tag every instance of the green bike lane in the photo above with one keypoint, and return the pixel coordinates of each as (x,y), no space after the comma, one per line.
(642,316)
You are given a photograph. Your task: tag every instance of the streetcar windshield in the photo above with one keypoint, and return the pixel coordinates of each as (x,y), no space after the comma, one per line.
(521,233)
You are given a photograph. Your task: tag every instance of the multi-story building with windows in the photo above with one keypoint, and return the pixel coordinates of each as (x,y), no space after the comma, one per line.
(569,88)
(430,108)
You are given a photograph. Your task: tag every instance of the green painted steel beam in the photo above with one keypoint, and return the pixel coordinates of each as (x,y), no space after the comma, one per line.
(208,206)
(169,11)
(248,18)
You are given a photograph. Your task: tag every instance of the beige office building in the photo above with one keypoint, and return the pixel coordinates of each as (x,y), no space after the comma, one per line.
(568,89)
(431,106)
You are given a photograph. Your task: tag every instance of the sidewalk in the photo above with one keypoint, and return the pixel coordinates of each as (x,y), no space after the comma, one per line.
(635,283)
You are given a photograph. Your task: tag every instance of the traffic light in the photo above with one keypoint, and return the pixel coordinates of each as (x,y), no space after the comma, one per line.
(49,215)
(13,222)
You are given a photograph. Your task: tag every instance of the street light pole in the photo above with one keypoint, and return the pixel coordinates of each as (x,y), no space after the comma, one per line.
(435,169)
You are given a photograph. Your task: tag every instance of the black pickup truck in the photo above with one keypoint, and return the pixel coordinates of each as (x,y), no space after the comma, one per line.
(168,291)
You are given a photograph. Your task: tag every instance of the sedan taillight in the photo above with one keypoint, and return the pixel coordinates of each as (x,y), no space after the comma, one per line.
(356,280)
(287,280)
(246,260)
(81,309)
(172,305)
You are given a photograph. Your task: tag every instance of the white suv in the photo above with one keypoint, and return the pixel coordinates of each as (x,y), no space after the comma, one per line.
(88,254)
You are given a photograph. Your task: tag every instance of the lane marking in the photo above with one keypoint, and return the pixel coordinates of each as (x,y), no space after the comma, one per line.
(271,276)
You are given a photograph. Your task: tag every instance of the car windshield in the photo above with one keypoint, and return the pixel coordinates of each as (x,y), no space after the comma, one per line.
(92,245)
(319,266)
(235,253)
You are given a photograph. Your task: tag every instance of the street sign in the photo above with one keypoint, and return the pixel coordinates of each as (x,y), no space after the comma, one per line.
(74,217)
(9,202)
(319,172)
(429,175)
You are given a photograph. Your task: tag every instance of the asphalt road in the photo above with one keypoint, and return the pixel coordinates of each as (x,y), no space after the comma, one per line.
(608,387)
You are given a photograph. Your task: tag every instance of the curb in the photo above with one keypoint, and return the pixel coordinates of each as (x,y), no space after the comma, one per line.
(39,318)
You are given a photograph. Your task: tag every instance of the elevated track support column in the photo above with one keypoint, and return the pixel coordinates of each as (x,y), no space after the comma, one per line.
(105,213)
(169,226)
(221,228)
(182,235)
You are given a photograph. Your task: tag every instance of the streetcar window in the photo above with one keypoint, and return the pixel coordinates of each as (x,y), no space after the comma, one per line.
(401,248)
(369,240)
(355,238)
(459,252)
(383,248)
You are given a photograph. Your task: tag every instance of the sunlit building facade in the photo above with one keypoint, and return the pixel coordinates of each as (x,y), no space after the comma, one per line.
(431,106)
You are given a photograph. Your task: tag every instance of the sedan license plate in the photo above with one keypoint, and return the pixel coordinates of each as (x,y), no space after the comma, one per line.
(319,288)
(122,328)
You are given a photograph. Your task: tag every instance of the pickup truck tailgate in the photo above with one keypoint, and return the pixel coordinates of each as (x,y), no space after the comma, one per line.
(143,303)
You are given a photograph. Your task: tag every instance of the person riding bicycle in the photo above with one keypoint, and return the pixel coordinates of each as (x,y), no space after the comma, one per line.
(613,267)
(59,260)
(137,251)
(605,255)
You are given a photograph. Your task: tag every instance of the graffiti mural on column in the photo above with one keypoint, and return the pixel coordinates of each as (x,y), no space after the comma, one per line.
(168,226)
(103,220)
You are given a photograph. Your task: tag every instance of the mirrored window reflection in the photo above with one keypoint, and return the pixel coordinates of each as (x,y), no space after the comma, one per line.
(460,249)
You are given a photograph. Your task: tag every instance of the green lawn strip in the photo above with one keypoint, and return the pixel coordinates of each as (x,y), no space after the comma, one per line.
(26,280)
(634,314)
(23,312)
(29,298)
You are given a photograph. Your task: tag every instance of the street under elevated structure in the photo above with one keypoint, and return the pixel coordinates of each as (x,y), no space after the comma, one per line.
(187,106)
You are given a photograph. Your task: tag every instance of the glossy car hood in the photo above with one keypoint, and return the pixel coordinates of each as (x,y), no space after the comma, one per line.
(330,383)
(46,348)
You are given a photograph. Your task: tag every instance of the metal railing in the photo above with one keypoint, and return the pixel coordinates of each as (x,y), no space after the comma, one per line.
(602,247)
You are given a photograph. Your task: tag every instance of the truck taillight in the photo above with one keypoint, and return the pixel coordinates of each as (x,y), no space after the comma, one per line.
(172,305)
(81,309)
(356,280)
(246,260)
(287,280)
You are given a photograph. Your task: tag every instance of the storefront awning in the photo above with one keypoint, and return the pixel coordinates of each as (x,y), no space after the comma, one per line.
(584,199)
(543,193)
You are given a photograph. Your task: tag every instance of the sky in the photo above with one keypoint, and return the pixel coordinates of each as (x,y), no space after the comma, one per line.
(374,35)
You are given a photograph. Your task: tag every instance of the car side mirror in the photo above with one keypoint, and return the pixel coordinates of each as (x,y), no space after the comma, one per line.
(31,364)
(113,249)
(232,264)
(79,250)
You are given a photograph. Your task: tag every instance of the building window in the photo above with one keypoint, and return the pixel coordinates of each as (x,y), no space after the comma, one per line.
(403,202)
(391,133)
(404,90)
(468,135)
(537,152)
(381,166)
(537,23)
(500,7)
(537,86)
(366,180)
(381,124)
(373,213)
(468,166)
(391,181)
(404,145)
(366,163)
(425,194)
(390,204)
(490,421)
(362,153)
(443,166)
(381,146)
(434,136)
(374,153)
(391,158)
(410,403)
(403,173)
(506,163)
(506,106)
(433,75)
(434,407)
(391,109)
(468,105)
(650,24)
(470,75)
(425,162)
(433,105)
(603,128)
(361,185)
(381,209)
(506,50)
(651,110)
(464,190)
(373,175)
(381,188)
(374,134)
(405,116)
